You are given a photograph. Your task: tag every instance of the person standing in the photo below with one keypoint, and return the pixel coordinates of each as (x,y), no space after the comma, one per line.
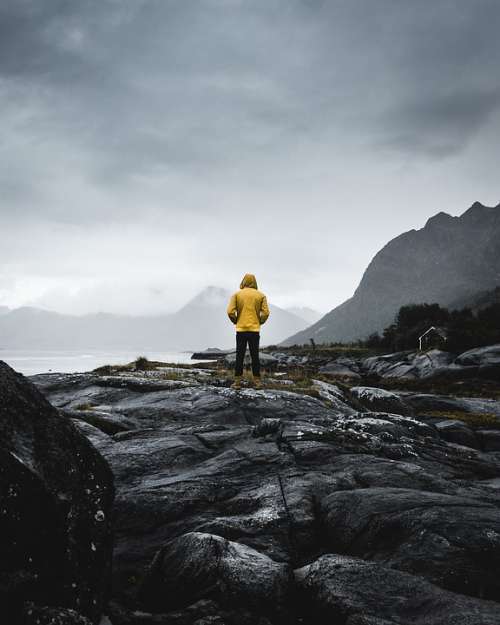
(248,310)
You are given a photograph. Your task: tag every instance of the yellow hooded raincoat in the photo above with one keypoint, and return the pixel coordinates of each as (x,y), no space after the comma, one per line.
(248,307)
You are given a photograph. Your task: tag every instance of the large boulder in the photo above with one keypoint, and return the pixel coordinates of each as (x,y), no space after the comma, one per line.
(452,540)
(339,589)
(341,367)
(380,400)
(337,370)
(396,365)
(483,362)
(56,494)
(431,363)
(334,396)
(490,439)
(485,359)
(457,432)
(414,365)
(481,356)
(199,566)
(449,405)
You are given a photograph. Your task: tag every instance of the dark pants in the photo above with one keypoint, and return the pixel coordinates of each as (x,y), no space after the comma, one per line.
(252,338)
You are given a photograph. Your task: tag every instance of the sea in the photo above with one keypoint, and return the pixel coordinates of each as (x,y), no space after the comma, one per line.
(31,362)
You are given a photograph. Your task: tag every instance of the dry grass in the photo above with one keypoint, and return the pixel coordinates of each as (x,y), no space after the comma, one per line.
(472,419)
(86,406)
(330,351)
(460,388)
(269,385)
(143,364)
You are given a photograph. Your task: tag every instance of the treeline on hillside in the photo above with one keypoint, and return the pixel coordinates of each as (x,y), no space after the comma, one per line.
(464,329)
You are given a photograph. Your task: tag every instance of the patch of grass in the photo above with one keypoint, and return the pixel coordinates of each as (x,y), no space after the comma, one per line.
(87,406)
(104,370)
(301,384)
(178,365)
(291,388)
(141,363)
(472,419)
(330,351)
(459,388)
(172,375)
(112,369)
(108,427)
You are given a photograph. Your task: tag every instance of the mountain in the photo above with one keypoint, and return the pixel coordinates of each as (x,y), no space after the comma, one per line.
(308,314)
(477,301)
(201,323)
(451,258)
(33,328)
(4,310)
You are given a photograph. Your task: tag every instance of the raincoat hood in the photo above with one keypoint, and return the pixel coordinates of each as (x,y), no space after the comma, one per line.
(248,308)
(248,281)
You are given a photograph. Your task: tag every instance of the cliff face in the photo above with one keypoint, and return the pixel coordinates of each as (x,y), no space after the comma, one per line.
(449,259)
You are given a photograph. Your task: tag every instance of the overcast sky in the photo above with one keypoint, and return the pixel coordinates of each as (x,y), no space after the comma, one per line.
(150,148)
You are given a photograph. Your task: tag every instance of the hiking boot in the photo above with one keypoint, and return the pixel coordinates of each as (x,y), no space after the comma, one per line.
(236,385)
(257,383)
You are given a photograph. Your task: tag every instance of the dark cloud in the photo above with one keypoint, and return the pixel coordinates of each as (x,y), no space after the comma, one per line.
(180,85)
(442,124)
(186,117)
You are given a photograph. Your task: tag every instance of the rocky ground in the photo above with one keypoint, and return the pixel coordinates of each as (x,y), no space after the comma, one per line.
(482,363)
(56,495)
(314,500)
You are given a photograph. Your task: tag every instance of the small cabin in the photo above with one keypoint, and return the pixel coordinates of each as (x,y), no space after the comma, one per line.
(433,337)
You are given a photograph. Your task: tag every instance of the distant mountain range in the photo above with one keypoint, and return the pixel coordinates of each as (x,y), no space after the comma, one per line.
(201,323)
(448,261)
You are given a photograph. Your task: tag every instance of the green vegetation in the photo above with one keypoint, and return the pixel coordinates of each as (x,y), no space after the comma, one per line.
(271,385)
(436,386)
(328,350)
(143,364)
(464,328)
(472,419)
(103,424)
(86,406)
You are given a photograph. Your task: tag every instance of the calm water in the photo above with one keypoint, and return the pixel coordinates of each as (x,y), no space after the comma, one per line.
(31,362)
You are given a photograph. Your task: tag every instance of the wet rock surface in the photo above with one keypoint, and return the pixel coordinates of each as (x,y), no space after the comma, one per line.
(275,507)
(487,359)
(357,592)
(481,363)
(378,399)
(196,565)
(45,615)
(56,493)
